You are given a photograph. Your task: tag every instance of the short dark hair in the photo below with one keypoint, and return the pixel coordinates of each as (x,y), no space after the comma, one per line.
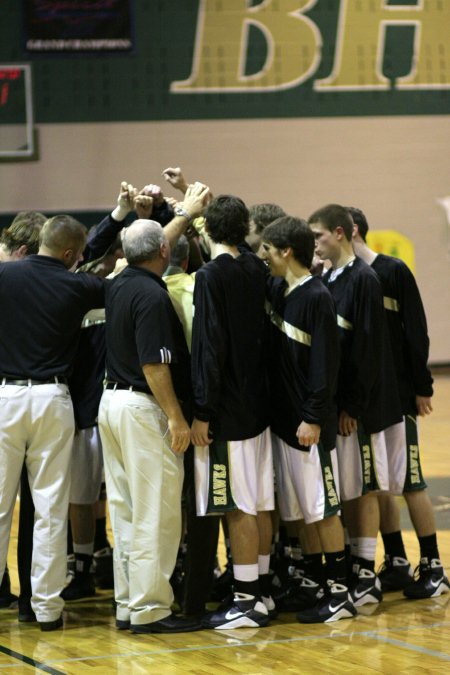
(360,220)
(333,216)
(292,232)
(227,220)
(264,214)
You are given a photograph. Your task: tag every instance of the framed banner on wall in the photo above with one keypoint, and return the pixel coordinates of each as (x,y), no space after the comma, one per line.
(71,26)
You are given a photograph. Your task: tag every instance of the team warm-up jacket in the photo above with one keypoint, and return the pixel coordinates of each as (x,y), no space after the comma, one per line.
(303,360)
(407,328)
(86,379)
(366,389)
(229,347)
(102,235)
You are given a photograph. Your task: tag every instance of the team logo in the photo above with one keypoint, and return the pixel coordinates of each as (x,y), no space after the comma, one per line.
(330,487)
(366,456)
(414,464)
(219,485)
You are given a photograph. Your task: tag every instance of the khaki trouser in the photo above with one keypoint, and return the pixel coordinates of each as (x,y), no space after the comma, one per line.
(144,480)
(37,426)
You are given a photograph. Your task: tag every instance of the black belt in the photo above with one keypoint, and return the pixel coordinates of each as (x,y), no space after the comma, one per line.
(129,387)
(28,382)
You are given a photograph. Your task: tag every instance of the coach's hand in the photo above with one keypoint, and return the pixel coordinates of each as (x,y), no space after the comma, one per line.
(180,434)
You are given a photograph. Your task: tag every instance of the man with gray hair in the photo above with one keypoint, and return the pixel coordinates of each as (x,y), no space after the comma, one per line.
(143,426)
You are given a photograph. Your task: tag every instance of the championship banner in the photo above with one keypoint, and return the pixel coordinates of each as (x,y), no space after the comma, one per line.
(62,26)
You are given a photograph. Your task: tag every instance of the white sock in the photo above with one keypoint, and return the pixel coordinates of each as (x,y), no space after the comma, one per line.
(246,572)
(84,549)
(263,564)
(366,547)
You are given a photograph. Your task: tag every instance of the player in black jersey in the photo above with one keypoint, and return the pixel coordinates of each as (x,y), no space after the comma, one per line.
(366,405)
(233,462)
(303,367)
(410,344)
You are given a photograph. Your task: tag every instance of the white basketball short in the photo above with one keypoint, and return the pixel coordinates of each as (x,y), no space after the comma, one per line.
(86,466)
(306,485)
(231,475)
(363,464)
(405,471)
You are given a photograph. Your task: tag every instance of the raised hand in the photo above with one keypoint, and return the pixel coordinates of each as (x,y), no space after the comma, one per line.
(154,191)
(174,176)
(143,205)
(126,196)
(196,198)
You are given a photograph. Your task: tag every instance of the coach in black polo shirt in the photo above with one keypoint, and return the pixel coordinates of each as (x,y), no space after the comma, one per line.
(144,432)
(42,306)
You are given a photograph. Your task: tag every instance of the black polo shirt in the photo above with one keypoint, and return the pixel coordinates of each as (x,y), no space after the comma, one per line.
(142,328)
(42,306)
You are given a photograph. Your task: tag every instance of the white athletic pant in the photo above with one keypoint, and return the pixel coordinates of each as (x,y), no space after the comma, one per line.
(37,425)
(144,479)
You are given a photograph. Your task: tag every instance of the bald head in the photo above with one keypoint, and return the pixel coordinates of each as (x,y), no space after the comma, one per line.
(142,241)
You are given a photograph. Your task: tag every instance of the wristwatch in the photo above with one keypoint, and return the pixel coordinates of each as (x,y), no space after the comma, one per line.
(179,211)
